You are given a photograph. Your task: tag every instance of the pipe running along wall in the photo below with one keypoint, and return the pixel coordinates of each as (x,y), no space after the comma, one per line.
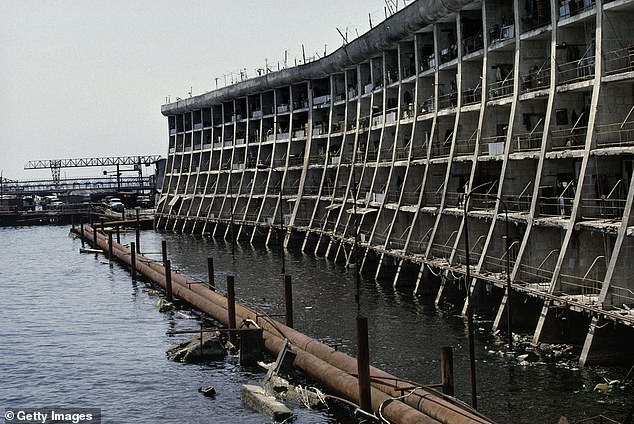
(335,370)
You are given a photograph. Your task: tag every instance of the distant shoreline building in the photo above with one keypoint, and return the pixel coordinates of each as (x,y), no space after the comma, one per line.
(522,108)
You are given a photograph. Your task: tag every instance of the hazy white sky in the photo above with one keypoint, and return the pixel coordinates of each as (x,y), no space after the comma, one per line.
(83,78)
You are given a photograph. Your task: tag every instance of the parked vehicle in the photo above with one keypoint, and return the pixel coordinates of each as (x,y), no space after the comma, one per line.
(116,205)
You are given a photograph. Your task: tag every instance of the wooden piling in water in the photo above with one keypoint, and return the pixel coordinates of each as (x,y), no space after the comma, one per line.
(133,261)
(363,364)
(231,307)
(210,274)
(138,233)
(288,300)
(446,367)
(168,279)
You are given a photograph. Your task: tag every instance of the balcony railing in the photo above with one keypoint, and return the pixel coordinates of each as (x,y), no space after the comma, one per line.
(466,146)
(569,138)
(620,296)
(492,146)
(534,277)
(609,207)
(520,202)
(588,288)
(525,142)
(577,70)
(537,18)
(620,60)
(472,96)
(558,205)
(448,100)
(502,88)
(616,134)
(536,78)
(473,43)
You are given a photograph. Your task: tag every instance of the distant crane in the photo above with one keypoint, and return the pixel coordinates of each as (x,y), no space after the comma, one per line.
(55,165)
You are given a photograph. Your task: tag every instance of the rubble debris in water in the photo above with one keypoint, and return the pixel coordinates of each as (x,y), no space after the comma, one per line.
(255,398)
(607,386)
(195,350)
(283,389)
(209,391)
(164,305)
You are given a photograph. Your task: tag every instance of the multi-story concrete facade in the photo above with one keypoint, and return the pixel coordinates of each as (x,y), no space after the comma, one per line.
(517,114)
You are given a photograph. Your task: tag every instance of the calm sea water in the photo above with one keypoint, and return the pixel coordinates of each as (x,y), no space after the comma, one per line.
(75,331)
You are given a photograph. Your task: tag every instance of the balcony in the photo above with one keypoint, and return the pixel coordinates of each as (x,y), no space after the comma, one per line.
(536,79)
(618,61)
(448,100)
(473,43)
(472,96)
(568,8)
(577,70)
(527,142)
(502,88)
(520,202)
(492,146)
(619,134)
(498,34)
(538,17)
(557,201)
(466,147)
(572,138)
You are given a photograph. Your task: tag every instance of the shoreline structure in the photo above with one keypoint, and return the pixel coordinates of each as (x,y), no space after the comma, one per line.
(510,122)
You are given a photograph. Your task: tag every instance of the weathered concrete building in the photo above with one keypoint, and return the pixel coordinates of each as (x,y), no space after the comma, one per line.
(517,115)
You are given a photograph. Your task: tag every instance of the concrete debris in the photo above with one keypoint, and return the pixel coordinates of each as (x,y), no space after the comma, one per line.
(209,391)
(608,385)
(195,350)
(164,305)
(282,389)
(525,353)
(256,398)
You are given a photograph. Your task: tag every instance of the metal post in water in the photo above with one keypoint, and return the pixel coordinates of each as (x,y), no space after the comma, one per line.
(470,335)
(123,214)
(231,308)
(133,261)
(363,364)
(110,246)
(94,237)
(210,273)
(168,279)
(164,251)
(446,369)
(288,300)
(138,234)
(118,234)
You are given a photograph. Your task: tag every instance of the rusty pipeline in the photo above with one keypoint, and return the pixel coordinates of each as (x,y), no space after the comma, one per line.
(323,363)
